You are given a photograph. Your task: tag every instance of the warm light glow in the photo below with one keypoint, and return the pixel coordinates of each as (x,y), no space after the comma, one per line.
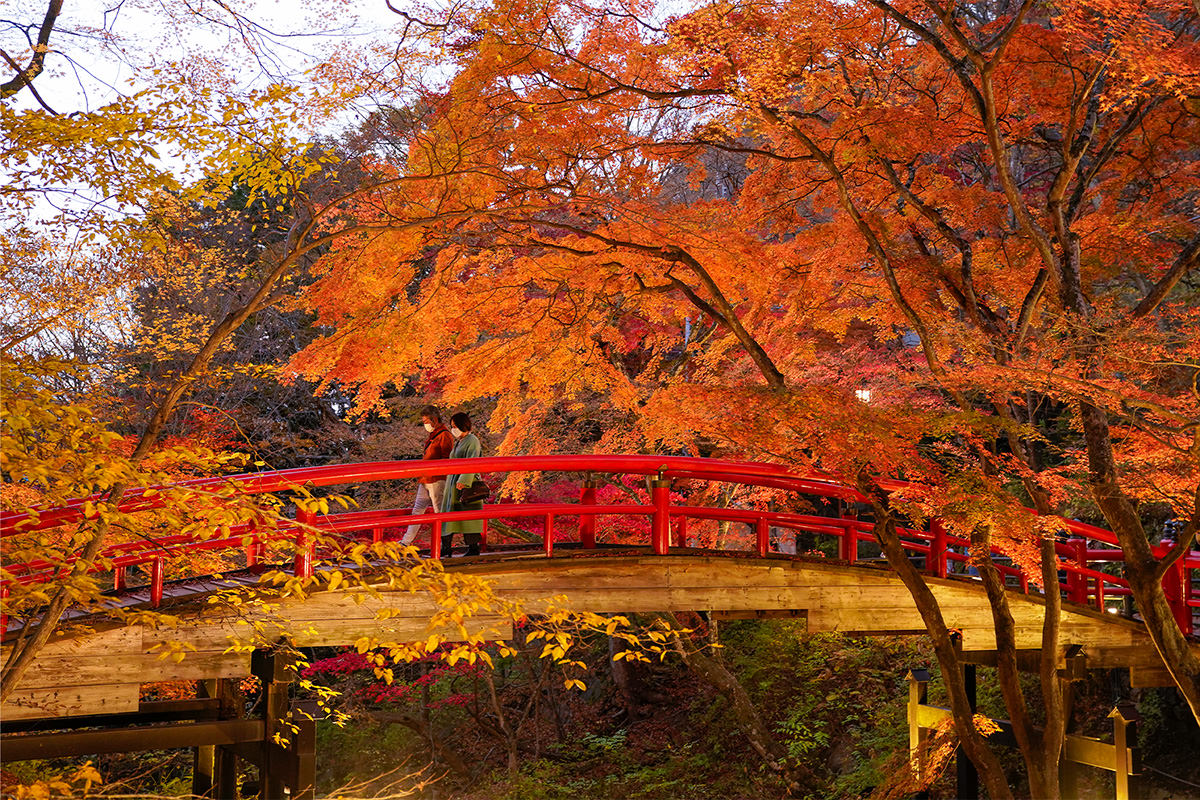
(863,395)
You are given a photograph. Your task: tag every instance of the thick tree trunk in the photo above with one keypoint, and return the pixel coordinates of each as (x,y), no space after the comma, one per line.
(1030,742)
(986,763)
(1142,568)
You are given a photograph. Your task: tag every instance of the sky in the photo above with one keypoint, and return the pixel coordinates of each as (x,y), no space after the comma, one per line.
(105,48)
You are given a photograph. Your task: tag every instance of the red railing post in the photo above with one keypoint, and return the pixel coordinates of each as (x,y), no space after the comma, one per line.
(1077,581)
(118,579)
(156,582)
(1185,599)
(302,566)
(1173,583)
(660,523)
(435,538)
(681,539)
(587,522)
(848,546)
(377,534)
(548,536)
(3,609)
(937,547)
(483,534)
(762,536)
(255,548)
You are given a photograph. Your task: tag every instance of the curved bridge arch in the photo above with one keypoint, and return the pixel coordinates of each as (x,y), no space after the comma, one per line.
(843,594)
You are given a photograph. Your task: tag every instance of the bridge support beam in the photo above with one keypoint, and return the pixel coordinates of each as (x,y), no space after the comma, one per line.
(214,767)
(291,767)
(966,778)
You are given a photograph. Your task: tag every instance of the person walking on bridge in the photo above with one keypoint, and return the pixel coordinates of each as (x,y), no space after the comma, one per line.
(430,487)
(466,446)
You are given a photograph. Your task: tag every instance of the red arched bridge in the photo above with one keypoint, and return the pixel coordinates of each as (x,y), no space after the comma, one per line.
(101,672)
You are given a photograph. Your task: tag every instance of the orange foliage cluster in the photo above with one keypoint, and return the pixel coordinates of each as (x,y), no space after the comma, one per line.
(715,232)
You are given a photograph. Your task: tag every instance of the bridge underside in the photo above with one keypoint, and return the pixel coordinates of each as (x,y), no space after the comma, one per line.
(102,672)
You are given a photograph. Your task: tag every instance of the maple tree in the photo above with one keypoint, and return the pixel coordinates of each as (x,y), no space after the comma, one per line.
(720,231)
(731,225)
(86,270)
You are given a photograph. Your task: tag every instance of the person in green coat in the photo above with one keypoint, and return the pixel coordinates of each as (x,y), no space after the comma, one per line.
(466,445)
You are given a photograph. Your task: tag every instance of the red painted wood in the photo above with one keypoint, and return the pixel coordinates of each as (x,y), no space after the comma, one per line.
(935,543)
(681,532)
(587,522)
(156,582)
(303,564)
(937,548)
(660,525)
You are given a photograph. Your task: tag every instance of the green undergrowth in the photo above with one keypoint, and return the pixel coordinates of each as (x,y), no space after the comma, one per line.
(834,703)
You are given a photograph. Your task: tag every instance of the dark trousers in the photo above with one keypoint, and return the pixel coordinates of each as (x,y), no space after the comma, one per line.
(471,540)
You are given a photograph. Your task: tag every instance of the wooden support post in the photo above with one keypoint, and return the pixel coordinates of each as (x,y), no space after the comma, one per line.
(918,692)
(587,522)
(937,548)
(966,777)
(215,769)
(681,533)
(1075,668)
(276,671)
(1127,764)
(303,773)
(660,524)
(203,770)
(118,579)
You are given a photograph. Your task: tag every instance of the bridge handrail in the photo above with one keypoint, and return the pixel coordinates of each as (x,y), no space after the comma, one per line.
(935,545)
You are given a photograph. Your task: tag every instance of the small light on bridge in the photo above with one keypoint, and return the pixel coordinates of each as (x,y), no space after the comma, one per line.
(863,394)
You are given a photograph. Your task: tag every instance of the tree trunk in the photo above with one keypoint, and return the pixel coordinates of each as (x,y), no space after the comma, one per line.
(749,720)
(976,749)
(1142,568)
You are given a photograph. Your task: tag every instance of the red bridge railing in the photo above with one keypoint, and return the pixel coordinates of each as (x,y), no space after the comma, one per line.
(1081,582)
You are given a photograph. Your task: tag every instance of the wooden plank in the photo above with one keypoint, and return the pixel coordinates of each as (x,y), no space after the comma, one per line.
(1149,677)
(1075,630)
(1089,751)
(1144,655)
(347,632)
(114,640)
(71,701)
(204,637)
(126,740)
(90,670)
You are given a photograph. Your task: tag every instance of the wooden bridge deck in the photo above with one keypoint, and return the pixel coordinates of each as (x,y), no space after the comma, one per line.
(102,672)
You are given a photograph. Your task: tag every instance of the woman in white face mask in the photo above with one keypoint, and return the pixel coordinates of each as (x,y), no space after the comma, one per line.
(466,445)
